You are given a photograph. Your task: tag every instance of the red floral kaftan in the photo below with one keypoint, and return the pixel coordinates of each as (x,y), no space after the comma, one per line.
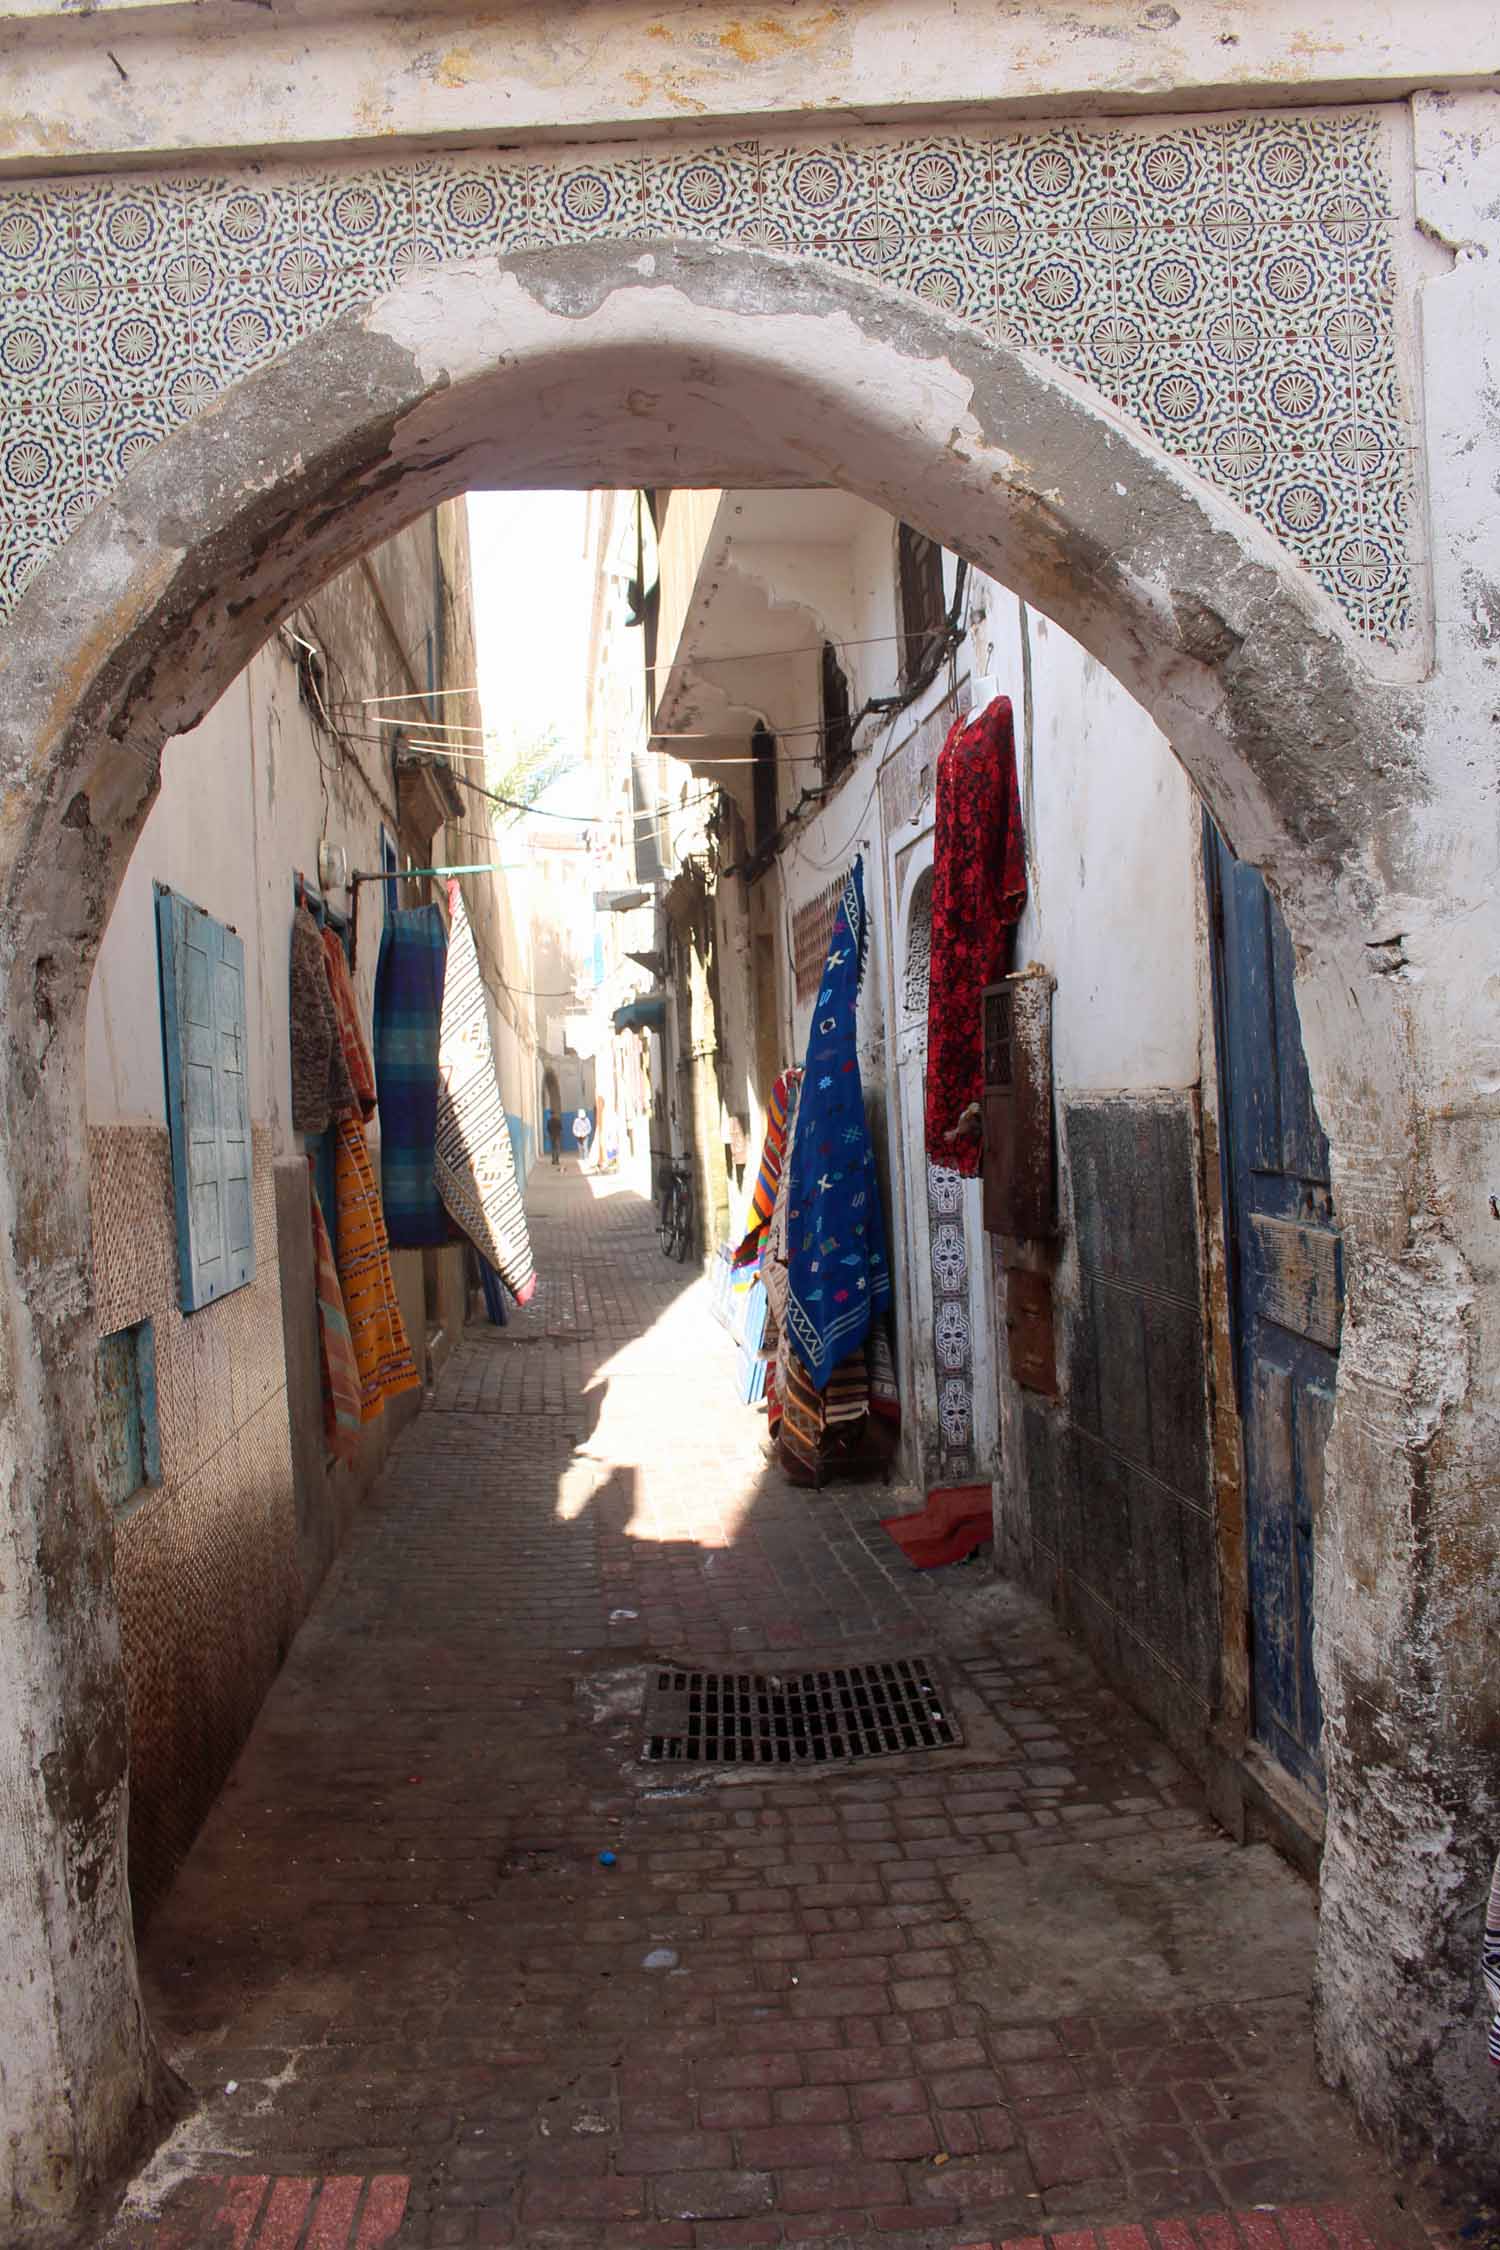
(978,891)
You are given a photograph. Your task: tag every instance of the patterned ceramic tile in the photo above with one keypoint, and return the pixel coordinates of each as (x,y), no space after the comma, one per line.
(952,1336)
(1228,284)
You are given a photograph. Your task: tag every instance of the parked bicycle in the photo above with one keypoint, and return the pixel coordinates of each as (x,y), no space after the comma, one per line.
(674,1209)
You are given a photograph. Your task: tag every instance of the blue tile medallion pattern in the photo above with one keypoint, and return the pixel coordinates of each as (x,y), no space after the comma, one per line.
(1228,285)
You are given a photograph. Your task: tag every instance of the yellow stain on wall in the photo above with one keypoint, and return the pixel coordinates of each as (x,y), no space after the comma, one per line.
(456,67)
(756,39)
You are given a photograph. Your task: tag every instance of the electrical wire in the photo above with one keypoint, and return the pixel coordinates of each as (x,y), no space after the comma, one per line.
(692,663)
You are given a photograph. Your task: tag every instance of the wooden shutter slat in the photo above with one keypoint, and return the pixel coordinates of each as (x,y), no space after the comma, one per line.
(204,1046)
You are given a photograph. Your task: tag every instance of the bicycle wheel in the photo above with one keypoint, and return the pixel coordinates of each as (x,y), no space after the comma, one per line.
(666,1220)
(684,1238)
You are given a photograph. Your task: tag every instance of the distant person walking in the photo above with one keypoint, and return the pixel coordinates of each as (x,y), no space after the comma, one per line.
(553,1124)
(583,1133)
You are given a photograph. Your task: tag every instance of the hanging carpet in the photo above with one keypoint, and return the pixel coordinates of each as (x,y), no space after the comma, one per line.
(838,1281)
(321,1088)
(978,891)
(357,1058)
(338,1365)
(475,1165)
(768,1178)
(408,1021)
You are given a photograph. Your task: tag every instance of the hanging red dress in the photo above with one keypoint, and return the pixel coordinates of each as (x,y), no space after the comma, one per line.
(978,891)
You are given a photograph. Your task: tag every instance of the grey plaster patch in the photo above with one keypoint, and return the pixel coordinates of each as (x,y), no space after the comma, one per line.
(1132,1927)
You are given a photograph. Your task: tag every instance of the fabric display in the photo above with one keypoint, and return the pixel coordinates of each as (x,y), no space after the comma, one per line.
(831,1400)
(474,1163)
(978,892)
(357,1056)
(409,977)
(772,1155)
(880,1367)
(364,1354)
(371,1306)
(496,1309)
(340,1369)
(321,1086)
(847,1429)
(838,1280)
(773,1273)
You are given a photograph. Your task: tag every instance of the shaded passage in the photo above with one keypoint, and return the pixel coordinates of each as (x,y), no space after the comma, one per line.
(936,1999)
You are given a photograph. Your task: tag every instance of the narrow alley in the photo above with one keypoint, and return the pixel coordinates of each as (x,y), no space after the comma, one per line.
(448,1965)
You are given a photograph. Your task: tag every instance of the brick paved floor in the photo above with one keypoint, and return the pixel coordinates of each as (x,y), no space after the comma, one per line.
(394,1962)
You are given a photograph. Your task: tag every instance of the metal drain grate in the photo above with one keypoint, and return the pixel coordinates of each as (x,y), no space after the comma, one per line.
(797,1718)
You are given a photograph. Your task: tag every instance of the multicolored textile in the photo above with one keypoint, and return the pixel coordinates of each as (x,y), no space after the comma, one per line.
(408,1019)
(357,1059)
(847,1396)
(773,1256)
(1491,1962)
(381,1351)
(838,1280)
(880,1360)
(800,1437)
(836,1431)
(768,1178)
(978,891)
(340,1369)
(475,1163)
(494,1294)
(321,1090)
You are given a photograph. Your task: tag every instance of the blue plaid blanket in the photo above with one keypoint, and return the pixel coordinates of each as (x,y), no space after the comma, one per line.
(408,1018)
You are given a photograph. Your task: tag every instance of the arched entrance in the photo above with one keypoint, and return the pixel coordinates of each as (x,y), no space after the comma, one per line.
(601,362)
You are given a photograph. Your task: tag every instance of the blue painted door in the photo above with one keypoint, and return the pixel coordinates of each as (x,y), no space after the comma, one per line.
(1286,1296)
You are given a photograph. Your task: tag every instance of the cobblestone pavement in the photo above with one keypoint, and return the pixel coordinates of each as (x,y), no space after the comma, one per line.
(796,2007)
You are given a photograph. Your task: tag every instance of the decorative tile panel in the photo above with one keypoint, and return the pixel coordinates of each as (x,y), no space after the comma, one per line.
(1227,284)
(952,1333)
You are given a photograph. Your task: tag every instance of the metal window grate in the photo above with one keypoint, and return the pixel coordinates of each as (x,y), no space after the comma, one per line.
(797,1718)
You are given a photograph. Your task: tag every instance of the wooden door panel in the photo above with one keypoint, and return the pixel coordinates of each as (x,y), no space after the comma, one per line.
(1286,1296)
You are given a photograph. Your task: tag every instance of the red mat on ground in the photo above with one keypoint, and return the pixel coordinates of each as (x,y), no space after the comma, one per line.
(956,1520)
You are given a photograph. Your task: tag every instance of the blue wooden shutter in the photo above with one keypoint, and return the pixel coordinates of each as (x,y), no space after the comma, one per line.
(208,1109)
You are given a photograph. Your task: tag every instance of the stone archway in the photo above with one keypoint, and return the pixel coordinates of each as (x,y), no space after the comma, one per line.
(638,363)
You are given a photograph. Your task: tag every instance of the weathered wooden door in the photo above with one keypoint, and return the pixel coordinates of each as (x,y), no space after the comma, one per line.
(1286,1295)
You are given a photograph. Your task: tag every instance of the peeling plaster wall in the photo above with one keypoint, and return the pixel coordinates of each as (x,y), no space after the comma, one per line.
(1407,1591)
(216,1563)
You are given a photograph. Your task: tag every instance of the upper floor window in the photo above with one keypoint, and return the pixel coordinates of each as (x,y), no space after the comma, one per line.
(763,786)
(837,715)
(923,611)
